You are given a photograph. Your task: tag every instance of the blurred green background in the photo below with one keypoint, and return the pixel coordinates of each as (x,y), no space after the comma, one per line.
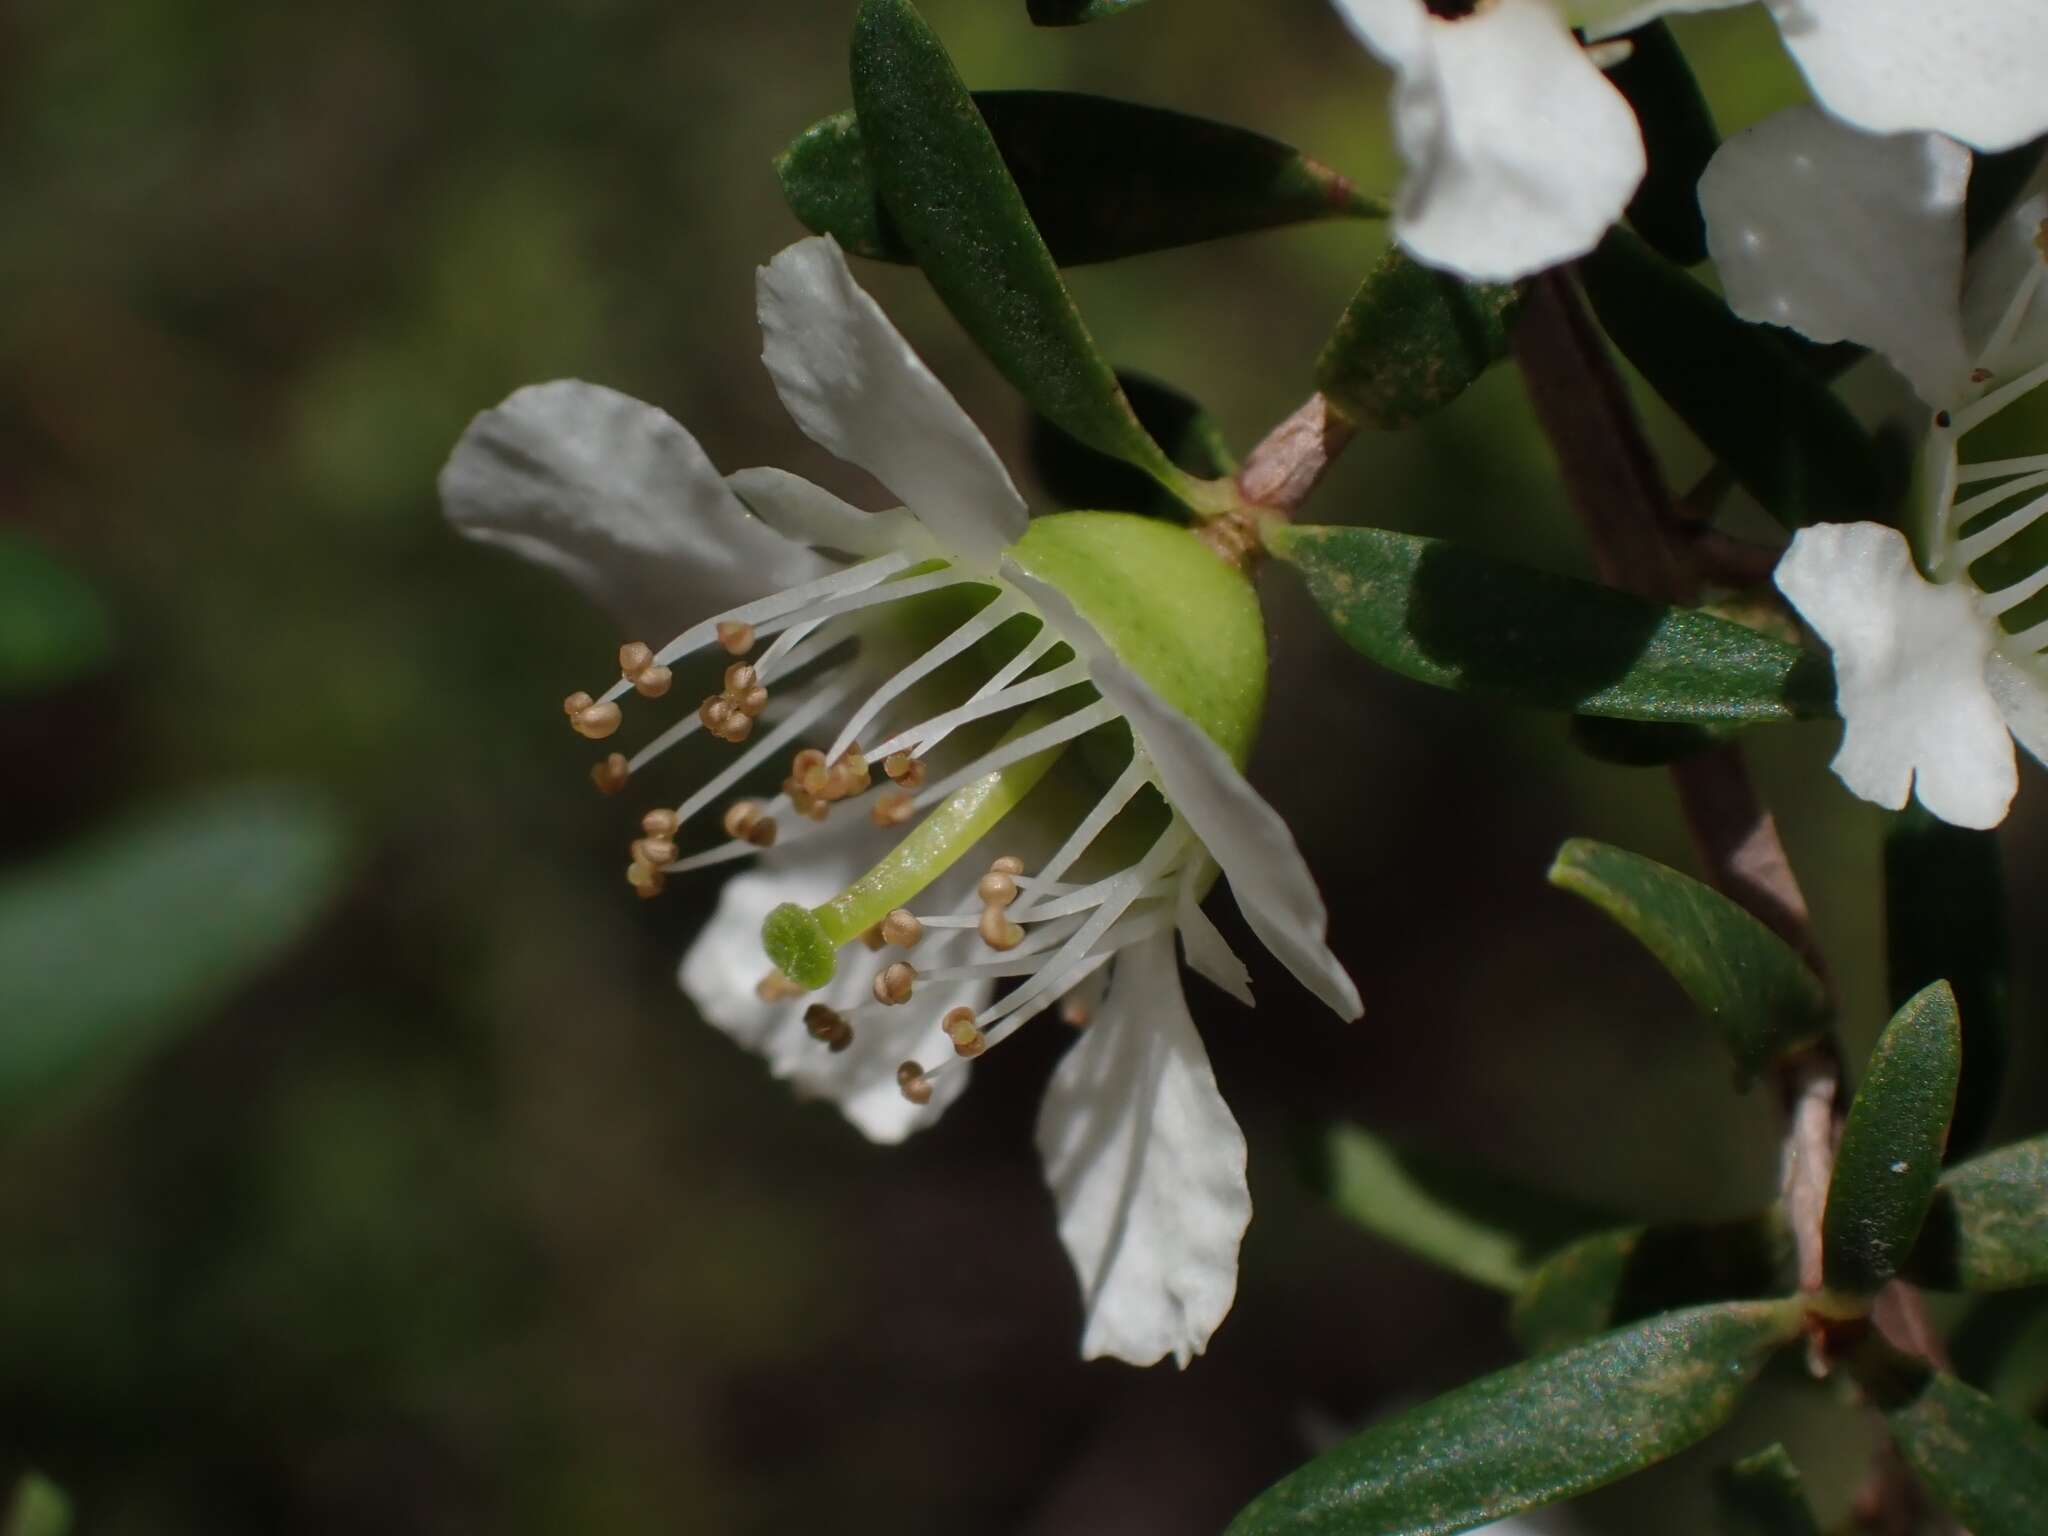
(408,1194)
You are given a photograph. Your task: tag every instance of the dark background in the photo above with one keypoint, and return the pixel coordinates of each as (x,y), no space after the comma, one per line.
(455,1218)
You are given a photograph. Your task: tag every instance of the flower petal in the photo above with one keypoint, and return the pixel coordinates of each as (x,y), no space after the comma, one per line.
(1147,1167)
(809,514)
(722,968)
(855,386)
(1209,953)
(1520,152)
(1268,878)
(2022,695)
(616,496)
(1602,19)
(1842,236)
(1910,659)
(1968,68)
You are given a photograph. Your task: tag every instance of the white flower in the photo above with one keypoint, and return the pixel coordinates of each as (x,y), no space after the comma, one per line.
(1521,153)
(1841,235)
(976,653)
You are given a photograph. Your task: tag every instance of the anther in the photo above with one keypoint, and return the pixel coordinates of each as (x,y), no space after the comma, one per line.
(737,639)
(1074,1011)
(753,701)
(741,818)
(902,928)
(966,1035)
(872,938)
(610,775)
(892,809)
(997,890)
(894,982)
(714,712)
(997,931)
(737,728)
(576,703)
(657,851)
(659,822)
(644,878)
(915,1085)
(653,683)
(777,988)
(635,657)
(739,677)
(828,1025)
(1008,864)
(904,769)
(596,721)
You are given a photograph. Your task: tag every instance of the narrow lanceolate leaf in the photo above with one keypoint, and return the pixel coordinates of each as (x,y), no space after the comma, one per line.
(53,627)
(1627,1273)
(1102,179)
(1778,428)
(1485,1228)
(1763,1495)
(38,1507)
(1412,341)
(107,949)
(1890,1156)
(1535,1433)
(1989,1467)
(1457,619)
(1679,138)
(1760,997)
(956,207)
(1945,919)
(1988,1230)
(1075,475)
(1072,13)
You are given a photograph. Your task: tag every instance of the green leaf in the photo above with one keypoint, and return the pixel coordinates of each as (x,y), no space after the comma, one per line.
(1072,13)
(2018,1377)
(107,949)
(1945,919)
(1457,619)
(1988,1466)
(957,208)
(1780,430)
(53,627)
(1679,138)
(1619,1276)
(1761,998)
(1535,1433)
(39,1508)
(1889,1159)
(1075,475)
(1411,341)
(1101,179)
(1763,1495)
(1988,1229)
(1471,1223)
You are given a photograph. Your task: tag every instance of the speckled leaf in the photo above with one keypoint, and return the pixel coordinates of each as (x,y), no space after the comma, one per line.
(1411,341)
(956,207)
(1759,996)
(1102,179)
(108,948)
(1679,137)
(1072,13)
(53,627)
(1890,1154)
(1535,1433)
(1945,920)
(1457,619)
(1618,1276)
(1474,1224)
(1988,1229)
(1988,1466)
(1763,1495)
(1776,425)
(1075,475)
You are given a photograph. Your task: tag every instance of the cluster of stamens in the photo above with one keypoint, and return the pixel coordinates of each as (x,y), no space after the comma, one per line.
(730,713)
(653,852)
(814,786)
(828,1025)
(998,888)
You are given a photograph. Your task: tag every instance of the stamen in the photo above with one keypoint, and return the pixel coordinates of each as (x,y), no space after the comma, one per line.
(735,639)
(902,929)
(893,809)
(660,822)
(903,769)
(921,740)
(610,775)
(656,851)
(1120,794)
(915,1086)
(1030,744)
(997,888)
(1970,550)
(960,1028)
(983,623)
(746,822)
(823,702)
(1990,405)
(2005,599)
(893,983)
(777,988)
(2015,311)
(593,720)
(1999,469)
(997,931)
(645,879)
(828,1025)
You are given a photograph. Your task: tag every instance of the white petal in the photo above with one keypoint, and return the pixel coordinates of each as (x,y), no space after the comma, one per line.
(1268,878)
(809,514)
(2021,690)
(1843,236)
(1910,660)
(1209,953)
(855,386)
(1520,152)
(722,968)
(1971,69)
(1147,1168)
(1602,19)
(620,499)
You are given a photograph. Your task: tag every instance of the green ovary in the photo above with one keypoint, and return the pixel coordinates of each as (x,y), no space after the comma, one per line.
(1176,614)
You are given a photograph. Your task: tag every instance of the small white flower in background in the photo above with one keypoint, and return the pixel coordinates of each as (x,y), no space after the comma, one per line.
(955,620)
(1521,153)
(1847,236)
